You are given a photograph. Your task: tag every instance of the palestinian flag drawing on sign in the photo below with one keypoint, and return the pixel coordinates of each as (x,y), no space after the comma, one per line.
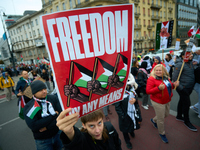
(164,34)
(81,75)
(122,68)
(33,110)
(104,70)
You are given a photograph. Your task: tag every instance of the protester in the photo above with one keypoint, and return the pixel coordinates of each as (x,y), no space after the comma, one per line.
(142,81)
(169,63)
(22,84)
(157,60)
(160,95)
(33,74)
(196,62)
(95,134)
(149,63)
(6,82)
(187,81)
(45,76)
(135,68)
(126,112)
(173,56)
(40,115)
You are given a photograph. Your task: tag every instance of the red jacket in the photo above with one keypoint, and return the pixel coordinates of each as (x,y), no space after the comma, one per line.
(154,64)
(155,93)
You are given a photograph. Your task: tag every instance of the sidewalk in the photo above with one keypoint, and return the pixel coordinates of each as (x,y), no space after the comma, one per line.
(147,137)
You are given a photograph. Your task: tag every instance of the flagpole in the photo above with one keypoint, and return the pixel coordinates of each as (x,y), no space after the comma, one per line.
(70,81)
(94,71)
(161,67)
(116,63)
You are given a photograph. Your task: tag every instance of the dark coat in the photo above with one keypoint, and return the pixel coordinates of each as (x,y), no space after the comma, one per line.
(83,141)
(126,124)
(38,122)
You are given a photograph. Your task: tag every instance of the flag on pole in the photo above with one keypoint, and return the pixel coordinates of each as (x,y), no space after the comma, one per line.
(33,110)
(4,36)
(21,107)
(21,58)
(164,34)
(198,33)
(38,59)
(191,31)
(122,68)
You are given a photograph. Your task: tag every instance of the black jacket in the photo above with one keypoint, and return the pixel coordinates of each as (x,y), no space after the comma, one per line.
(45,76)
(83,141)
(125,122)
(142,78)
(38,122)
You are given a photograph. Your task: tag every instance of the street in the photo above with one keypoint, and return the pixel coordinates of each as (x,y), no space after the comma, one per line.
(14,133)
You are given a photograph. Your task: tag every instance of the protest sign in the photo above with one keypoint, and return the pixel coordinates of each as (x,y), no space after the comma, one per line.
(90,53)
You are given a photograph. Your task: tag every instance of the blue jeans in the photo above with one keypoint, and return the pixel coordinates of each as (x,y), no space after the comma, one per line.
(53,143)
(197,89)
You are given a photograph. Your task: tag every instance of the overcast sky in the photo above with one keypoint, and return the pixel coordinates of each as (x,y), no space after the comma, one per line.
(17,7)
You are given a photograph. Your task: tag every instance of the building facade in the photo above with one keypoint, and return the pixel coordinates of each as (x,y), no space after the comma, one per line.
(26,38)
(5,55)
(186,14)
(147,14)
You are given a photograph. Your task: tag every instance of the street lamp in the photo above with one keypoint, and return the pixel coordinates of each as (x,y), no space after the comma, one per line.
(11,52)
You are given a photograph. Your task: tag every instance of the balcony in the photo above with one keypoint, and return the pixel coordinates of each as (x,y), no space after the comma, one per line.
(138,39)
(155,17)
(137,27)
(155,6)
(87,3)
(137,15)
(151,38)
(170,18)
(170,8)
(149,27)
(136,2)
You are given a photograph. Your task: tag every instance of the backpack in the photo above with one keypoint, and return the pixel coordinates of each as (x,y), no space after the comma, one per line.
(197,74)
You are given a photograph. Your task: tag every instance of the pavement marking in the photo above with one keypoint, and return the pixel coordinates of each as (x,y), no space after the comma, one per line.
(1,101)
(8,122)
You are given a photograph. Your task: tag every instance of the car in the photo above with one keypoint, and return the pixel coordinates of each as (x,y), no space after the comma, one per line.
(161,53)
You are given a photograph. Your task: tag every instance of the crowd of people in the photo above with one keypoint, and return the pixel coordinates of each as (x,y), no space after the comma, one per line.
(152,79)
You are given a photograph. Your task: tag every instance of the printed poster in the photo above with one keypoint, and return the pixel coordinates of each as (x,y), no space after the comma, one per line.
(90,52)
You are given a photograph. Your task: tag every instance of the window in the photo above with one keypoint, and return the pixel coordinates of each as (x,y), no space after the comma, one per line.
(57,8)
(34,33)
(28,25)
(79,1)
(156,13)
(14,31)
(51,10)
(19,38)
(137,34)
(152,1)
(195,3)
(32,25)
(149,33)
(153,33)
(144,21)
(15,39)
(17,30)
(143,1)
(156,2)
(22,37)
(63,5)
(30,34)
(26,36)
(136,21)
(30,54)
(144,33)
(70,4)
(186,1)
(161,14)
(36,21)
(39,51)
(164,14)
(38,31)
(145,44)
(24,27)
(11,33)
(153,22)
(149,22)
(148,12)
(152,12)
(164,4)
(144,11)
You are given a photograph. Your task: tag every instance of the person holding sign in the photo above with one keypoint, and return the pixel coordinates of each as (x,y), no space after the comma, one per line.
(187,81)
(161,104)
(94,135)
(40,114)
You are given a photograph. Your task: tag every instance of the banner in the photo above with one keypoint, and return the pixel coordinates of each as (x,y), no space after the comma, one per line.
(177,46)
(90,53)
(164,34)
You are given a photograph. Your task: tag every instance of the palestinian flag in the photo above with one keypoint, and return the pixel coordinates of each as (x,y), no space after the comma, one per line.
(21,58)
(38,59)
(45,61)
(33,110)
(198,33)
(81,75)
(104,70)
(164,34)
(21,107)
(122,67)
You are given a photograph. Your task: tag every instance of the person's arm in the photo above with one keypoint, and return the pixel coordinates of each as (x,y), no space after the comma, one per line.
(150,87)
(66,123)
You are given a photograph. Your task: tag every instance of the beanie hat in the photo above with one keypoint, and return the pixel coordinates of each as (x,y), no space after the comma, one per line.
(158,58)
(37,86)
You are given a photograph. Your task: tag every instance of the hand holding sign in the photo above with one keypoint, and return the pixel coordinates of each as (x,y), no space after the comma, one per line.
(114,81)
(96,88)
